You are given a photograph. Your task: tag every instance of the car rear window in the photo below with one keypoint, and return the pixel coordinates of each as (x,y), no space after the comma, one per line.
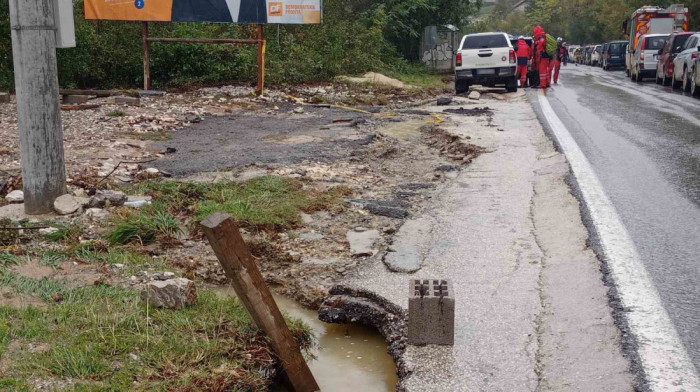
(616,48)
(485,41)
(679,42)
(655,43)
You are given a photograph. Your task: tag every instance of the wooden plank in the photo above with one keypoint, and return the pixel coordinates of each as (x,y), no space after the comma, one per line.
(97,93)
(240,266)
(145,46)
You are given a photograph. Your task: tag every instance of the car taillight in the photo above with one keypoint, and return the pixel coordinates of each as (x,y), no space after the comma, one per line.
(641,56)
(459,59)
(694,55)
(512,56)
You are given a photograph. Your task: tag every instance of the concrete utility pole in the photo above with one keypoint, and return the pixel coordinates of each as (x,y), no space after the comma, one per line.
(38,110)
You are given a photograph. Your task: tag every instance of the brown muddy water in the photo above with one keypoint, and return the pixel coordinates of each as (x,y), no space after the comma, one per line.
(349,358)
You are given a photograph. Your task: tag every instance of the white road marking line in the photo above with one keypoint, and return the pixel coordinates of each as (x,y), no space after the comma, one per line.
(666,363)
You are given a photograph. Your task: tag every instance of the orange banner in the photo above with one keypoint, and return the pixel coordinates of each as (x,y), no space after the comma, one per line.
(137,10)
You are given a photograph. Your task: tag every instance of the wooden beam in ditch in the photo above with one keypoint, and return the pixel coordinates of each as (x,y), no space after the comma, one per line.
(239,265)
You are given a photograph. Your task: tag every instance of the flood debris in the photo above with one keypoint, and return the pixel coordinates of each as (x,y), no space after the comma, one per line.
(170,294)
(389,208)
(362,241)
(444,101)
(470,112)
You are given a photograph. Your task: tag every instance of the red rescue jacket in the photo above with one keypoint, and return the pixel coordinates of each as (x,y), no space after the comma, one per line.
(523,49)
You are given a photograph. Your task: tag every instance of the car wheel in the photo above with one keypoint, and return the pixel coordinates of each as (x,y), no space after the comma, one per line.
(686,85)
(461,87)
(512,85)
(694,88)
(658,79)
(640,78)
(674,83)
(665,80)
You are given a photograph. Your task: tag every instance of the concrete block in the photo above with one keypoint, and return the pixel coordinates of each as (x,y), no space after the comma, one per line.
(75,99)
(127,100)
(431,312)
(4,97)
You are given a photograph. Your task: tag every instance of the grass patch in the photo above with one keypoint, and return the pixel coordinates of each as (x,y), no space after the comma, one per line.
(102,334)
(116,113)
(7,259)
(144,226)
(267,202)
(65,233)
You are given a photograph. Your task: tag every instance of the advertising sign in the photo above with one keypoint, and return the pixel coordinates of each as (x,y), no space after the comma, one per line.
(223,11)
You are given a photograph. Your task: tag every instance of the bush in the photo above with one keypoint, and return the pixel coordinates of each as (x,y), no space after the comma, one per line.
(108,53)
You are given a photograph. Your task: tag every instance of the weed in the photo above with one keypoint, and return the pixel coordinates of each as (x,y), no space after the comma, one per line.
(144,226)
(65,233)
(52,259)
(7,259)
(116,113)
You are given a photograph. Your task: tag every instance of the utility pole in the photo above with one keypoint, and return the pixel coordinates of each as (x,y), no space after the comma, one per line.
(38,109)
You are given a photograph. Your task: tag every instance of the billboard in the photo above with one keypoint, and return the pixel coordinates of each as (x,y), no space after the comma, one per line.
(222,11)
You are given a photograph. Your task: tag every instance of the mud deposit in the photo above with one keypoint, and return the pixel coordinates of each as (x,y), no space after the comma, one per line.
(276,137)
(349,358)
(470,112)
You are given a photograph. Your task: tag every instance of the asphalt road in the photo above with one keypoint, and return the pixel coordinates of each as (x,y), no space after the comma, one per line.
(643,142)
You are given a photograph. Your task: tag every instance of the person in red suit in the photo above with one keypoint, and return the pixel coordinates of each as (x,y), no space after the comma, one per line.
(524,53)
(558,58)
(542,56)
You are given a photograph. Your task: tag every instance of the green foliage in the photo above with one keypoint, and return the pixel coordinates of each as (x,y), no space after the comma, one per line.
(7,259)
(116,113)
(102,335)
(357,36)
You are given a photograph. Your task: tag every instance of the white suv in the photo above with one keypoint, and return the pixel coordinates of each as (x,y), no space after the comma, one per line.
(487,59)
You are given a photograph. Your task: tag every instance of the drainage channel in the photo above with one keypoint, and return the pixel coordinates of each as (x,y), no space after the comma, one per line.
(349,358)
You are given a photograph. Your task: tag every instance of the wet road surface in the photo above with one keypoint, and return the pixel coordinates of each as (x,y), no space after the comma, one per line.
(643,141)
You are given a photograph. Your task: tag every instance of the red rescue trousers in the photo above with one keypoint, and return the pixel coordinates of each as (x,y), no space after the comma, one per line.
(556,66)
(544,72)
(521,73)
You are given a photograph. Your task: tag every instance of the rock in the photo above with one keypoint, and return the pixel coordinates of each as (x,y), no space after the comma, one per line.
(15,196)
(475,95)
(66,205)
(299,110)
(97,213)
(442,101)
(306,218)
(357,121)
(361,243)
(152,171)
(137,202)
(193,118)
(171,293)
(311,236)
(115,198)
(446,168)
(48,231)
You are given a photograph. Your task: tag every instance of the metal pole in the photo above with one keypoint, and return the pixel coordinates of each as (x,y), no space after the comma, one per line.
(261,61)
(38,109)
(146,56)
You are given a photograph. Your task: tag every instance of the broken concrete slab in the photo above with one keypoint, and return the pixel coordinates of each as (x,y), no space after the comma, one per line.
(407,255)
(389,208)
(361,243)
(66,205)
(16,196)
(75,99)
(170,294)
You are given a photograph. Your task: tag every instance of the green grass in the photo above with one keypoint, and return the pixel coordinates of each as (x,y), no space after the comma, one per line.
(7,259)
(116,113)
(66,233)
(144,226)
(267,202)
(94,332)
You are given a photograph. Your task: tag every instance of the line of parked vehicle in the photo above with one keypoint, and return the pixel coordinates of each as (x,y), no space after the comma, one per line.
(671,59)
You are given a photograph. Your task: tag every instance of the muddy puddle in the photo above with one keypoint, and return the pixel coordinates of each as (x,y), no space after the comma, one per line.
(349,358)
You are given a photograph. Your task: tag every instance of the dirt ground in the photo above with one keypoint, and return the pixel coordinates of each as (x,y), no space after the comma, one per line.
(390,155)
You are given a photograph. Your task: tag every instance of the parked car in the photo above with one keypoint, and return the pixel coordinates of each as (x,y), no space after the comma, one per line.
(595,55)
(684,62)
(673,45)
(695,78)
(603,53)
(615,55)
(645,56)
(487,59)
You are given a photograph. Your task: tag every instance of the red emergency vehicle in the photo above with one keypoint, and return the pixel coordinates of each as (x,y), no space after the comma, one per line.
(653,20)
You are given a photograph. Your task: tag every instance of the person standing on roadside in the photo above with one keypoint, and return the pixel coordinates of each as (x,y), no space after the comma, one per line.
(542,56)
(558,57)
(524,53)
